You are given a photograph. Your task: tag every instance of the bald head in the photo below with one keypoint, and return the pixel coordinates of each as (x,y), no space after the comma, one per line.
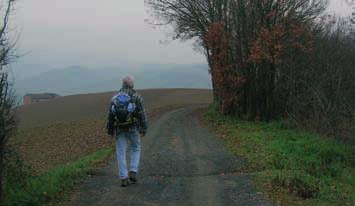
(128,82)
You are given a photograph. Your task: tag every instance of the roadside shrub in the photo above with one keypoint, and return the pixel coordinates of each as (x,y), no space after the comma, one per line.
(40,189)
(16,173)
(297,183)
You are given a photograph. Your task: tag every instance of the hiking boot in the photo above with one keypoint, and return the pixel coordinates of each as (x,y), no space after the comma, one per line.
(124,182)
(133,177)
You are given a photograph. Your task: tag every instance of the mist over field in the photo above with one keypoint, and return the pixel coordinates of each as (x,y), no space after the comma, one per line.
(91,35)
(78,79)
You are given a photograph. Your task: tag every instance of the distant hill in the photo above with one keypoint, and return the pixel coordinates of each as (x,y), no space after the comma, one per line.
(78,80)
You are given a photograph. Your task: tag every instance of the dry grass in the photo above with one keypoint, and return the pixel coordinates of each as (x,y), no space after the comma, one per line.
(68,128)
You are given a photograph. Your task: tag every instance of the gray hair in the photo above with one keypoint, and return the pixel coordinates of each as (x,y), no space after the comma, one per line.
(128,81)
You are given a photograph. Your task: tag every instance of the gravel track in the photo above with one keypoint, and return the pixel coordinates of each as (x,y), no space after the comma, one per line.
(182,164)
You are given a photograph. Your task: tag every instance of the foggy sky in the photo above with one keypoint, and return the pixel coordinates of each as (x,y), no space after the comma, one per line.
(92,32)
(60,33)
(341,7)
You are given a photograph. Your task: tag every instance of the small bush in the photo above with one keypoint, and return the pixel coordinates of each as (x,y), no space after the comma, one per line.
(301,185)
(38,190)
(16,172)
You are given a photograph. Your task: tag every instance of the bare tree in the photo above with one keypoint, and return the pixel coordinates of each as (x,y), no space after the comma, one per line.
(271,59)
(323,87)
(244,42)
(7,123)
(190,19)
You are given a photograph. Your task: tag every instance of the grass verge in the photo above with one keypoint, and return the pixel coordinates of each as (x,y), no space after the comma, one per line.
(39,190)
(292,167)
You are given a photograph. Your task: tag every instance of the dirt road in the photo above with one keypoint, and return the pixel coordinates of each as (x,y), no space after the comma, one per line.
(182,164)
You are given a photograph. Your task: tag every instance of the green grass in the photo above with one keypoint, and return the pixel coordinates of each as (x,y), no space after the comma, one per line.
(39,190)
(292,167)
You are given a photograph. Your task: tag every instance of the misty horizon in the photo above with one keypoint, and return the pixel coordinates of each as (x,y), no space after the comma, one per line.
(93,34)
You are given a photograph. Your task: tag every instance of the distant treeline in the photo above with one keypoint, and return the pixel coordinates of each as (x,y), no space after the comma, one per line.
(272,59)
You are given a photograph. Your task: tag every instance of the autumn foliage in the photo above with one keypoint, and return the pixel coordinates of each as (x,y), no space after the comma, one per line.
(226,80)
(271,59)
(247,56)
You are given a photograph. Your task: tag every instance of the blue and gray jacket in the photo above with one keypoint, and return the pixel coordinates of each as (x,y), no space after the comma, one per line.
(141,123)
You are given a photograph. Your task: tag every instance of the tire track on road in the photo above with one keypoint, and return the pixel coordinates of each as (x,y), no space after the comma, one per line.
(182,164)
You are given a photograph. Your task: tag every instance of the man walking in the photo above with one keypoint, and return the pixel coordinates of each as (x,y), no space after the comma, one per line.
(128,123)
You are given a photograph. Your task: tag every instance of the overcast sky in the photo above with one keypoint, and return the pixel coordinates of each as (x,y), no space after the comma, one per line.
(341,7)
(93,32)
(60,33)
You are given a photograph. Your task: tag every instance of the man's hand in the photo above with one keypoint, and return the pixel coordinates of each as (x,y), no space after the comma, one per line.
(142,133)
(110,129)
(110,132)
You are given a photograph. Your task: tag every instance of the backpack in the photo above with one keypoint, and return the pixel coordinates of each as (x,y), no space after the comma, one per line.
(124,109)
